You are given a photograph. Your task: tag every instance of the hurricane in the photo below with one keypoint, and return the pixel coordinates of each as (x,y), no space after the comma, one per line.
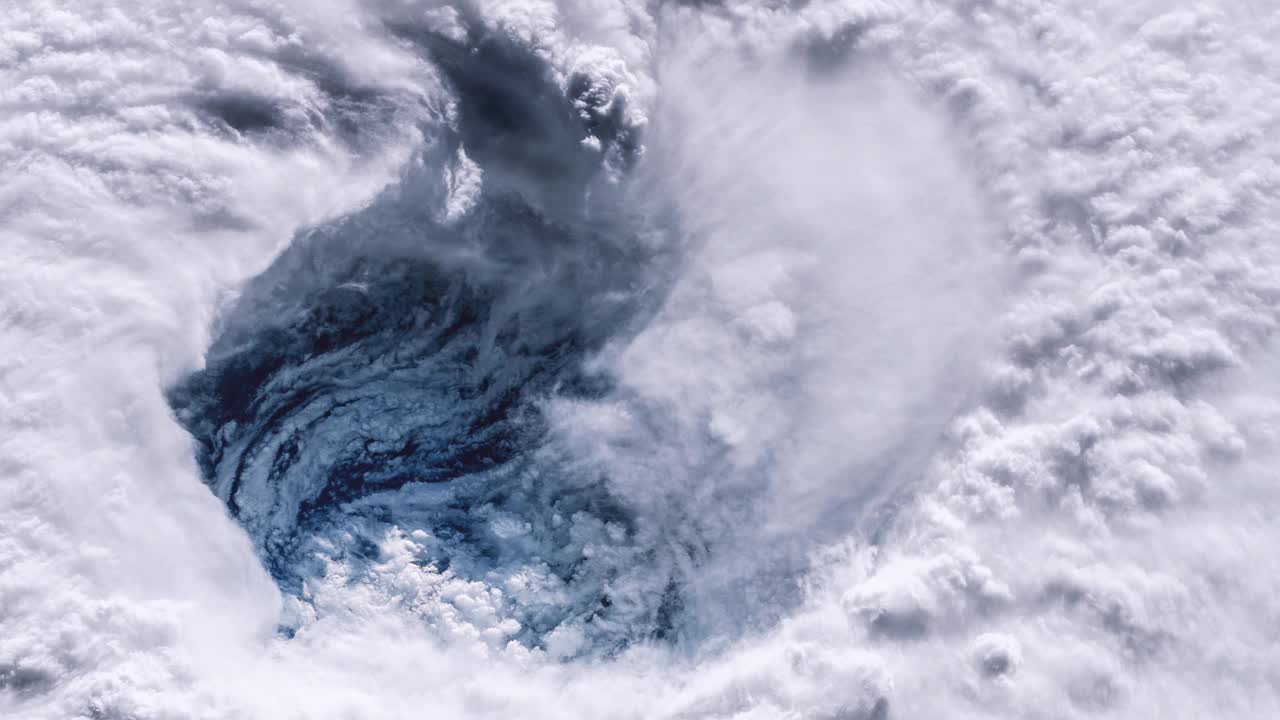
(837,359)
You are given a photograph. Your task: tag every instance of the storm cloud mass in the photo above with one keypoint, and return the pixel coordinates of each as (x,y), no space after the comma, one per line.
(623,359)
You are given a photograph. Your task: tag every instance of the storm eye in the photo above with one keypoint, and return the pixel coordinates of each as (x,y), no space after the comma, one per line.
(349,400)
(392,397)
(243,113)
(373,406)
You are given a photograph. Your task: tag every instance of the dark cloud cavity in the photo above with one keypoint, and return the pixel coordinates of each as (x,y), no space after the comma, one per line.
(385,373)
